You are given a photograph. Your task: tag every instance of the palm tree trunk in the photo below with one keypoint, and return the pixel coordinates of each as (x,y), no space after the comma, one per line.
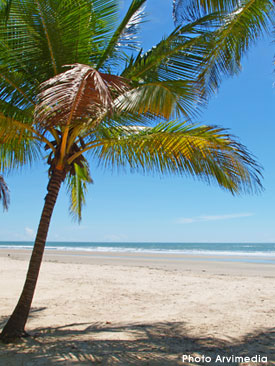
(15,326)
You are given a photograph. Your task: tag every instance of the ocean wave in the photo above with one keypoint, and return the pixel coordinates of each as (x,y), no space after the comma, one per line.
(105,249)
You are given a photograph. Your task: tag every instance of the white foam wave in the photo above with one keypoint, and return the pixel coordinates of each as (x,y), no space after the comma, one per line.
(269,254)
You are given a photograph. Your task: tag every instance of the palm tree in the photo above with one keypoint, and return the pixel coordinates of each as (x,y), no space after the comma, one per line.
(73,89)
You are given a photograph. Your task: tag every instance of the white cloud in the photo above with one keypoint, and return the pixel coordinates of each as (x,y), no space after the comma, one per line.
(186,220)
(204,218)
(225,217)
(29,232)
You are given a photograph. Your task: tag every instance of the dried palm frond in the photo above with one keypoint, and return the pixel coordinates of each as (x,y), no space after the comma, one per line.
(78,95)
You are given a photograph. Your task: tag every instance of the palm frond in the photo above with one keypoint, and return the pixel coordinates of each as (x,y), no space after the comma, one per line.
(125,35)
(42,36)
(9,110)
(18,144)
(240,30)
(185,11)
(242,22)
(106,13)
(204,152)
(5,6)
(179,56)
(77,95)
(24,46)
(206,49)
(15,89)
(92,23)
(162,98)
(4,193)
(77,187)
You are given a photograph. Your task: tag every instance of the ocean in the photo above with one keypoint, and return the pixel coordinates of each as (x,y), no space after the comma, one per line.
(253,252)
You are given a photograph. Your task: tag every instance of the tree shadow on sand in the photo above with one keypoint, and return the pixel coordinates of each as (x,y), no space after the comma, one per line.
(33,312)
(157,344)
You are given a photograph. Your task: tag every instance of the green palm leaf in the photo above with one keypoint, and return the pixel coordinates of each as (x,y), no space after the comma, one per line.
(162,98)
(242,22)
(77,187)
(177,57)
(208,153)
(185,11)
(15,89)
(19,145)
(42,36)
(166,78)
(240,30)
(124,35)
(5,6)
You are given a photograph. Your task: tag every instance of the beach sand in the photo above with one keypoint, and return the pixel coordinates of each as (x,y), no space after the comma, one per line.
(140,309)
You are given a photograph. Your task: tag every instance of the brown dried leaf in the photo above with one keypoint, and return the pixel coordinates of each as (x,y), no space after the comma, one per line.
(77,95)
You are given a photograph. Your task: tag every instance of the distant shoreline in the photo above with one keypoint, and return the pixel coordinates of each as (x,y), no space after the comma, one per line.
(238,252)
(236,265)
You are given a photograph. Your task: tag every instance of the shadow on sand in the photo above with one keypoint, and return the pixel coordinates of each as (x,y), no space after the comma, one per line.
(157,344)
(33,312)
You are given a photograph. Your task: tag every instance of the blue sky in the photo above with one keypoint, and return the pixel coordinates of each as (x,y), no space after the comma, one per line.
(132,207)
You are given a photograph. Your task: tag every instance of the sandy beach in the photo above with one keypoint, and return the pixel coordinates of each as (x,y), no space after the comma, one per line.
(137,309)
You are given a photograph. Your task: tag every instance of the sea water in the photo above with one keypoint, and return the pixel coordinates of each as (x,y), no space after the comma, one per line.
(247,252)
